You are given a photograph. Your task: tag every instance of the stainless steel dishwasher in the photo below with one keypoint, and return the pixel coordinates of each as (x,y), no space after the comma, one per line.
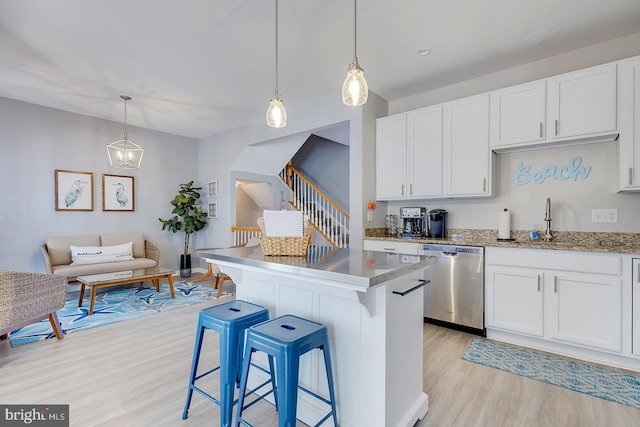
(455,295)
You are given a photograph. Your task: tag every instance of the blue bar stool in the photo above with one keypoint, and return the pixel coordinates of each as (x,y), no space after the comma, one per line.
(230,320)
(286,338)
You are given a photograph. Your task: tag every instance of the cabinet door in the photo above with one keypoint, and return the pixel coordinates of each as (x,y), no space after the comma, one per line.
(391,157)
(514,300)
(424,152)
(467,159)
(582,103)
(518,114)
(585,309)
(630,124)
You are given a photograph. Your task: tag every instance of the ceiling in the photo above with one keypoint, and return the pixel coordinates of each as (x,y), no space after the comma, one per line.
(199,67)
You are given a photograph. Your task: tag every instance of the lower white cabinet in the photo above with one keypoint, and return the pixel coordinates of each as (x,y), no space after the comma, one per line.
(514,300)
(570,298)
(391,246)
(585,309)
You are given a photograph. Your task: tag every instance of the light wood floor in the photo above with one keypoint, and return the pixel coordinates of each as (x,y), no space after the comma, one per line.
(134,373)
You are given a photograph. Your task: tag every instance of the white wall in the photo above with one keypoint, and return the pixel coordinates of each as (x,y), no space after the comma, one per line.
(35,141)
(602,53)
(219,152)
(571,201)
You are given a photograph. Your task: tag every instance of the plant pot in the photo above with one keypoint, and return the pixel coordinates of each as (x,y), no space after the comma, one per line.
(185,265)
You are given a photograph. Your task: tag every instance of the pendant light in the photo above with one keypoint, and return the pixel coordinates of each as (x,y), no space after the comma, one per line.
(124,154)
(355,90)
(276,114)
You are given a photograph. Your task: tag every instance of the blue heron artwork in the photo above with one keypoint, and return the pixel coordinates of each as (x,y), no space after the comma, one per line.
(118,193)
(121,195)
(74,193)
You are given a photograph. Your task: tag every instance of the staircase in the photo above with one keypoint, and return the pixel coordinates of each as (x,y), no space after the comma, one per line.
(328,219)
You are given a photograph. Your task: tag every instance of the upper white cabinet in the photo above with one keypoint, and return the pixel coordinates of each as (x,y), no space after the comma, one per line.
(518,115)
(424,161)
(391,157)
(581,105)
(467,157)
(409,155)
(630,124)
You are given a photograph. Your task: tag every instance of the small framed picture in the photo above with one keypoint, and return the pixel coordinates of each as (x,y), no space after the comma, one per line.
(213,189)
(213,210)
(74,190)
(117,193)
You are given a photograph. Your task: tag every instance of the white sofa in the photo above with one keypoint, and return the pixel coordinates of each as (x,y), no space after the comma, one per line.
(57,254)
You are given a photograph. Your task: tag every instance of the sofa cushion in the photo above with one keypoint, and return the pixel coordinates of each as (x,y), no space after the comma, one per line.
(86,269)
(58,247)
(139,250)
(101,254)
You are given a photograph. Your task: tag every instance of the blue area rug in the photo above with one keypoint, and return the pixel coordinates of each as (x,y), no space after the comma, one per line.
(606,384)
(114,305)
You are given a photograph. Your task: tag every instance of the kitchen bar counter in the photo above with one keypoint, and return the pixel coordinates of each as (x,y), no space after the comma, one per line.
(371,303)
(622,243)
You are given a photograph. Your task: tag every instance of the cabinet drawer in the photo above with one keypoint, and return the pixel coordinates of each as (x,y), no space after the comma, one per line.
(392,246)
(556,260)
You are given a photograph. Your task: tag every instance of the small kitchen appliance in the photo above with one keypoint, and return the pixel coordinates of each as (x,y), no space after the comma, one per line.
(437,223)
(413,222)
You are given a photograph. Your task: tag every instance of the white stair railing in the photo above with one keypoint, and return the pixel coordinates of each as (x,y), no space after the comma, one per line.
(328,218)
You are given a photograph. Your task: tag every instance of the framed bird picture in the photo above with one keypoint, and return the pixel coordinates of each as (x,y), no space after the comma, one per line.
(117,193)
(74,190)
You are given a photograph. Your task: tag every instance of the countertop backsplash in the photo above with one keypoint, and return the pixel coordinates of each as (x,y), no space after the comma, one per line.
(627,243)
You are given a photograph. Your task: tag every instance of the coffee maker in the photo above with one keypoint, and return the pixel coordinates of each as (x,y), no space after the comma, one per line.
(437,223)
(414,222)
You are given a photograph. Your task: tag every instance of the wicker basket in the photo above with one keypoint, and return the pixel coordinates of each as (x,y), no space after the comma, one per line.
(285,245)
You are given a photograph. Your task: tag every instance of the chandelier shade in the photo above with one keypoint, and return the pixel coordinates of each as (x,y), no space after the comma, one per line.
(124,153)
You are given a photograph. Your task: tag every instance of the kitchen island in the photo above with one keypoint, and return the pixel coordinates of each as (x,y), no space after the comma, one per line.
(371,303)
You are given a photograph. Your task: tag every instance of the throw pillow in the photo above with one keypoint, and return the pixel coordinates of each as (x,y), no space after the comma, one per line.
(81,255)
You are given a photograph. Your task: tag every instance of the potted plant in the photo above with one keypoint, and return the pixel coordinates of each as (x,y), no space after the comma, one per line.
(187,217)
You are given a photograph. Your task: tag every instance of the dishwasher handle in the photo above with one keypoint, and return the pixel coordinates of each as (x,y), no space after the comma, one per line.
(408,291)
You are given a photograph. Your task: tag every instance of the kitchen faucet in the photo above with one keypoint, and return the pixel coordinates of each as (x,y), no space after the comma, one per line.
(547,218)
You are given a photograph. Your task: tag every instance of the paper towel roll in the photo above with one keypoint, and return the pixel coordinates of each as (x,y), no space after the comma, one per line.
(504,225)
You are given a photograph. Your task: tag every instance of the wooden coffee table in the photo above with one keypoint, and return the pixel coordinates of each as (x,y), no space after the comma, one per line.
(97,281)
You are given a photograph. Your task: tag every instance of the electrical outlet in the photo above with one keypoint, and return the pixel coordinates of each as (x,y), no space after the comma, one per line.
(604,215)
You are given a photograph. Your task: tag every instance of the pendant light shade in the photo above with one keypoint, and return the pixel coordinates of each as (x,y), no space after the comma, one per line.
(355,90)
(124,153)
(276,114)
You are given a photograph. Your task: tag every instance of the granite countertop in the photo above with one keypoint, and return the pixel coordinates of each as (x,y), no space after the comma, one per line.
(350,268)
(622,243)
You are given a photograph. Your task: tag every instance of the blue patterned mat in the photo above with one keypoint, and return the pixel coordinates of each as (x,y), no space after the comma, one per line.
(606,384)
(120,303)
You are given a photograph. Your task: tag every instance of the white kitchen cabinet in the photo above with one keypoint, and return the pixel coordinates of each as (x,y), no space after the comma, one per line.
(467,156)
(582,103)
(391,157)
(630,124)
(391,246)
(518,115)
(409,155)
(571,298)
(424,152)
(585,309)
(636,306)
(514,300)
